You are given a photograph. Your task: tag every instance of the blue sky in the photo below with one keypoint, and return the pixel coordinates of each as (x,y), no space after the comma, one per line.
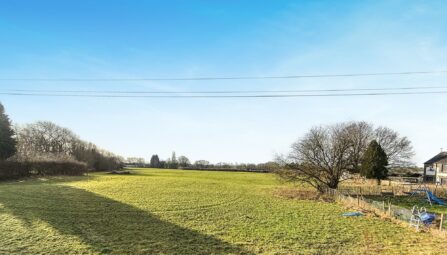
(117,39)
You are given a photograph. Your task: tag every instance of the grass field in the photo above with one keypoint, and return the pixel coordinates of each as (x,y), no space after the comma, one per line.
(187,212)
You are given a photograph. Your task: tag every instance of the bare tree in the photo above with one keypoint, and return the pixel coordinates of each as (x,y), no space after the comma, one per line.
(327,153)
(183,161)
(321,157)
(45,140)
(397,148)
(201,163)
(361,134)
(45,137)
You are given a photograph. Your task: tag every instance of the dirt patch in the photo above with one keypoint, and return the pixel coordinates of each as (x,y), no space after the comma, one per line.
(302,194)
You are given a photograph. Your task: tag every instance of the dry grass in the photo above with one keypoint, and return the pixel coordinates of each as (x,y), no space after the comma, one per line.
(302,194)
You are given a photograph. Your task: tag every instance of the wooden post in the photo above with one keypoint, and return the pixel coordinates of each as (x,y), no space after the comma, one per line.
(383,206)
(441,222)
(389,208)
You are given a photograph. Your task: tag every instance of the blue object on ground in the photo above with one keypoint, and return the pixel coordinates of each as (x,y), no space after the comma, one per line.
(350,214)
(427,218)
(435,199)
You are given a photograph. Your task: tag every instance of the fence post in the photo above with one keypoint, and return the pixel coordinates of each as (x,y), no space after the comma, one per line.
(441,222)
(389,208)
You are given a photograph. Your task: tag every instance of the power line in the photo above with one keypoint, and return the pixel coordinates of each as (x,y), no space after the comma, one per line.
(216,92)
(224,77)
(226,96)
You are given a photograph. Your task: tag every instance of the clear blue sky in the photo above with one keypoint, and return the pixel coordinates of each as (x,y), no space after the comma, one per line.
(116,39)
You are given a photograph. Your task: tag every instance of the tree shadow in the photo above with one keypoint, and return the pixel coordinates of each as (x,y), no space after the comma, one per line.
(106,225)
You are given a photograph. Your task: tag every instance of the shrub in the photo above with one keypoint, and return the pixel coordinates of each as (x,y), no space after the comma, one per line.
(58,168)
(14,170)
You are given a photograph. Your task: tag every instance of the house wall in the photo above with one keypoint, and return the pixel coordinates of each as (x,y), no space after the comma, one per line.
(440,174)
(429,176)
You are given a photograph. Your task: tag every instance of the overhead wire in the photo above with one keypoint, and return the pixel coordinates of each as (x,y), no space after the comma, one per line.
(224,96)
(220,77)
(218,91)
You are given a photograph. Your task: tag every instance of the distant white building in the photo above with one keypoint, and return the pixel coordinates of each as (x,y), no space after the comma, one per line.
(435,169)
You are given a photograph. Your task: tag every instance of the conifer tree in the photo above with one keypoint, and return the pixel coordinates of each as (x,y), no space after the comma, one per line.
(7,141)
(374,162)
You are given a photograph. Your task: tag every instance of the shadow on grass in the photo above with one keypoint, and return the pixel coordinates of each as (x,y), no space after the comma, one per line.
(105,225)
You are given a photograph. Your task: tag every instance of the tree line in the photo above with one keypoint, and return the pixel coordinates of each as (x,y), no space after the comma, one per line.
(43,147)
(183,162)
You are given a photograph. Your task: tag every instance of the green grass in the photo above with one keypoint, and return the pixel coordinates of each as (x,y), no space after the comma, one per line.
(187,212)
(410,201)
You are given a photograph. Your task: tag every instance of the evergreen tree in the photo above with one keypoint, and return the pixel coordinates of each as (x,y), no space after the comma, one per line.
(7,141)
(173,157)
(374,162)
(173,162)
(155,161)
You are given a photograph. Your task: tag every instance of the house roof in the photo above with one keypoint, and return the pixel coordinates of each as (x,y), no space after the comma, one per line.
(439,157)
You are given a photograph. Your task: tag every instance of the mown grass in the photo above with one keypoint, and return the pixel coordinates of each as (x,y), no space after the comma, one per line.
(187,212)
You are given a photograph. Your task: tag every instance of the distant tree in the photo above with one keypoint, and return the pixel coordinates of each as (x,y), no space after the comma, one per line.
(7,140)
(201,163)
(173,157)
(269,166)
(183,161)
(172,162)
(155,161)
(374,162)
(141,162)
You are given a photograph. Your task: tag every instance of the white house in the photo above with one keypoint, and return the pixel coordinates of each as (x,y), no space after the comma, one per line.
(435,169)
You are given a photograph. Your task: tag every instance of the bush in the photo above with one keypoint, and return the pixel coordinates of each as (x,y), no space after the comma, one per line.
(58,168)
(16,169)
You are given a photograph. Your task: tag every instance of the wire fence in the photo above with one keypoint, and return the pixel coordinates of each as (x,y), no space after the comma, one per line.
(354,197)
(392,189)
